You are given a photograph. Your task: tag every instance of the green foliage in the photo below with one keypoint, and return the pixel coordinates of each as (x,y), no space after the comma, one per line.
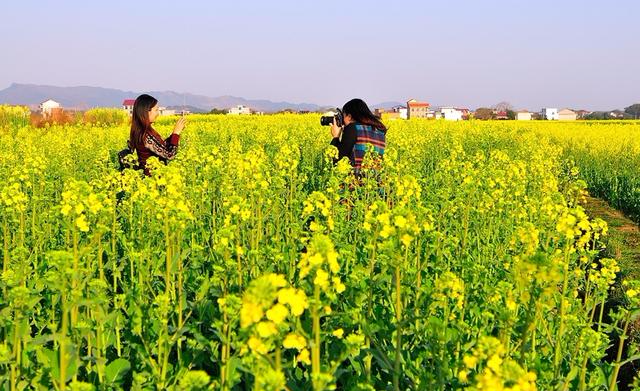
(106,116)
(14,116)
(462,259)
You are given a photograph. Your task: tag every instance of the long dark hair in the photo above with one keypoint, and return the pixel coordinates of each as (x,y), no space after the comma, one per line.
(360,112)
(140,124)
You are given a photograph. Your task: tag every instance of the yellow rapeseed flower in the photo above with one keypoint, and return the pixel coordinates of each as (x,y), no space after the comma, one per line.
(277,313)
(322,279)
(250,313)
(304,357)
(266,329)
(294,341)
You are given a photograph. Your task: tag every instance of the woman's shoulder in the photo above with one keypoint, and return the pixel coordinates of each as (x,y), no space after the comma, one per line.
(364,127)
(153,133)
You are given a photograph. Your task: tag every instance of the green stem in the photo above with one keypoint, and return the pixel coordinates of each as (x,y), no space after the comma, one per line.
(167,278)
(74,280)
(5,255)
(601,313)
(397,366)
(557,354)
(617,365)
(62,344)
(315,348)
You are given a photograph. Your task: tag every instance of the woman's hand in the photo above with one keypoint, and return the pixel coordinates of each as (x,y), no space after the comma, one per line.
(336,130)
(179,127)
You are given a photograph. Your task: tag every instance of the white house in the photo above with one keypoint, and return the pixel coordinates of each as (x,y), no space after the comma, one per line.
(239,109)
(48,105)
(165,111)
(567,115)
(401,110)
(523,115)
(450,114)
(127,105)
(550,113)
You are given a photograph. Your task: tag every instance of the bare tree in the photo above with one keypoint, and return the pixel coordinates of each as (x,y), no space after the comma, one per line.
(503,106)
(484,113)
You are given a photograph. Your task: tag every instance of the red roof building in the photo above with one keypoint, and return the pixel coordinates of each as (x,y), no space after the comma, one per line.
(417,109)
(501,114)
(127,105)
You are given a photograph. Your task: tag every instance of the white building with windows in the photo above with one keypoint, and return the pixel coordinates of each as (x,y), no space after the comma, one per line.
(401,110)
(450,114)
(47,106)
(550,113)
(239,110)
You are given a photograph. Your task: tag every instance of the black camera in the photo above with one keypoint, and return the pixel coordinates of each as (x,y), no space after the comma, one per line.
(327,120)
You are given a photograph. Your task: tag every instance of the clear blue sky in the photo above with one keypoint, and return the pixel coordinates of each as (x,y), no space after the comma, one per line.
(580,54)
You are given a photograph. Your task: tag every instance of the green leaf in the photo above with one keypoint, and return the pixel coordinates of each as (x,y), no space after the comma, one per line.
(116,370)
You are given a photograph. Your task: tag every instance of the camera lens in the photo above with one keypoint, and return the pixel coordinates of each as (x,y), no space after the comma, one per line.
(326,120)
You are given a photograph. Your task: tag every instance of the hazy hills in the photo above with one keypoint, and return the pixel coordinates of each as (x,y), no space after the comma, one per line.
(83,98)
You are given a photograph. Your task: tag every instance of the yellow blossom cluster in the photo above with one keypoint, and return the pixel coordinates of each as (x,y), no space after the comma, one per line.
(489,368)
(266,305)
(632,292)
(13,199)
(321,262)
(604,275)
(398,223)
(574,223)
(448,294)
(82,205)
(164,194)
(526,238)
(318,209)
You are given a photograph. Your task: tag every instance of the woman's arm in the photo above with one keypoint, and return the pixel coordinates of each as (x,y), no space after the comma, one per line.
(346,142)
(168,148)
(164,149)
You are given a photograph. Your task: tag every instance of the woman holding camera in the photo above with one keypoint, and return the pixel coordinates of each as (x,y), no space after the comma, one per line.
(145,140)
(360,128)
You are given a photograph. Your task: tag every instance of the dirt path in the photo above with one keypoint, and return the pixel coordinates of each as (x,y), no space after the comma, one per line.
(623,240)
(623,244)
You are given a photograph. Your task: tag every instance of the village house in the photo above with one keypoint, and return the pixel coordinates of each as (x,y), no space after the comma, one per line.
(240,110)
(127,105)
(400,110)
(465,112)
(523,115)
(500,114)
(379,111)
(417,109)
(165,111)
(567,115)
(388,114)
(48,106)
(549,113)
(450,114)
(396,112)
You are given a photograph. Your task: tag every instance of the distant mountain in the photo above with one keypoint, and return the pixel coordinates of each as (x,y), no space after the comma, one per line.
(387,105)
(83,98)
(191,109)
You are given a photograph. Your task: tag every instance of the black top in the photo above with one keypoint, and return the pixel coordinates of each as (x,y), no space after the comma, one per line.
(345,146)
